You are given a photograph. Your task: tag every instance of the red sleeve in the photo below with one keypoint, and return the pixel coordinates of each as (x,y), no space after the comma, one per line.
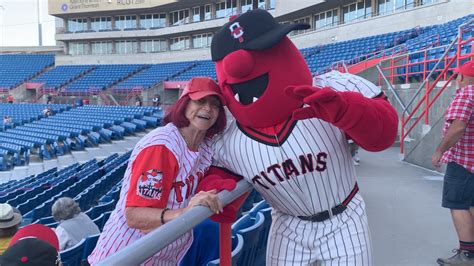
(153,172)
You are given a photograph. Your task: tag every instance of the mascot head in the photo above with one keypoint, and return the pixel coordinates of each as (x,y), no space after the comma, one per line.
(255,62)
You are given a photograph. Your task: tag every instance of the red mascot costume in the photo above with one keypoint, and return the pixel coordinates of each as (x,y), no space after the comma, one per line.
(289,139)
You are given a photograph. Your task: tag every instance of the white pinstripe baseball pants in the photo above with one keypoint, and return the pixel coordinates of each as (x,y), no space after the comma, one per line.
(342,240)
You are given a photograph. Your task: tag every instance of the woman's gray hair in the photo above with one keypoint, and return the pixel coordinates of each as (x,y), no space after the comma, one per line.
(65,208)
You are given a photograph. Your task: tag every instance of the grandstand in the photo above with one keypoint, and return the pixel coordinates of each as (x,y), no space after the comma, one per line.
(110,52)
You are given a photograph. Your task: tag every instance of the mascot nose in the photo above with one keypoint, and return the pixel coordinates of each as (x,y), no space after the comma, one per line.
(239,64)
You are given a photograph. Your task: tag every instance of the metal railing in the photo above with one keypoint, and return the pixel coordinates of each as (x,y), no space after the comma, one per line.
(451,62)
(147,246)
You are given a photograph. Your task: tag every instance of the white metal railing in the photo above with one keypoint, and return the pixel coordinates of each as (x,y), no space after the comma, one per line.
(144,248)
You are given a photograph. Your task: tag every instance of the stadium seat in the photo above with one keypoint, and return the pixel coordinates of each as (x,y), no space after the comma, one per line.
(258,207)
(89,245)
(250,228)
(263,239)
(73,256)
(205,246)
(102,219)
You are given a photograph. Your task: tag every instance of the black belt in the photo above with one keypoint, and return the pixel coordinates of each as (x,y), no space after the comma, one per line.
(324,215)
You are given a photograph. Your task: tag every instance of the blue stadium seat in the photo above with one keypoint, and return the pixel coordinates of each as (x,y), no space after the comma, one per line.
(250,228)
(102,219)
(73,256)
(89,245)
(263,239)
(205,246)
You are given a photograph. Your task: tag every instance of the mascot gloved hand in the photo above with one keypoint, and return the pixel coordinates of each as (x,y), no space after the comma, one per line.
(357,115)
(213,181)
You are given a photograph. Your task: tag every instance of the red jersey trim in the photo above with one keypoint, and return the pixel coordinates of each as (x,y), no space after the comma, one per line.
(272,136)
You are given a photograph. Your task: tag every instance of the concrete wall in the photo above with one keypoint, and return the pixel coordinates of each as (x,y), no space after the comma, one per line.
(420,147)
(420,152)
(283,7)
(421,16)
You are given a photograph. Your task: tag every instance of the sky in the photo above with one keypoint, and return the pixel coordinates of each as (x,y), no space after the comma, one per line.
(19,23)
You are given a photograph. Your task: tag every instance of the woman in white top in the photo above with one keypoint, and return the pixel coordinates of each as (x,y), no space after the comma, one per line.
(74,225)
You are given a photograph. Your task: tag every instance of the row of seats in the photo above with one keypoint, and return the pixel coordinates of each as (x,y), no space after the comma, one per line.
(68,129)
(86,78)
(425,51)
(153,75)
(16,69)
(62,75)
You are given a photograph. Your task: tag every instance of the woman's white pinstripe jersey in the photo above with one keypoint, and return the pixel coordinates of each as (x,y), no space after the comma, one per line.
(187,168)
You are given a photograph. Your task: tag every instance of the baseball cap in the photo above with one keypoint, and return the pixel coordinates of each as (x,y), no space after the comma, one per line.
(200,87)
(253,30)
(467,69)
(38,231)
(9,216)
(30,252)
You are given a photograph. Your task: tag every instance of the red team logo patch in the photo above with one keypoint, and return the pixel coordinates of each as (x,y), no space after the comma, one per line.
(150,185)
(237,31)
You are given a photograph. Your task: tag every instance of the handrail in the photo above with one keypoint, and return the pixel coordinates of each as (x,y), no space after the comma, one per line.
(144,248)
(397,98)
(429,87)
(431,73)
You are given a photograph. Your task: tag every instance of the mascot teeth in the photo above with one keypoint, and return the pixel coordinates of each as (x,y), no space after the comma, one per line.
(237,98)
(255,99)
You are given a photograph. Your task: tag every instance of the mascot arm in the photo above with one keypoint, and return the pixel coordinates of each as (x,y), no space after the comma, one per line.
(221,179)
(371,123)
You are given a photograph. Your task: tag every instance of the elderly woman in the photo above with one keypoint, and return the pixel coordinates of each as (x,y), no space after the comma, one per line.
(10,219)
(163,172)
(74,225)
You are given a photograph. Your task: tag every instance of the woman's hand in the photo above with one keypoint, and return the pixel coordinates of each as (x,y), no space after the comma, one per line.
(207,199)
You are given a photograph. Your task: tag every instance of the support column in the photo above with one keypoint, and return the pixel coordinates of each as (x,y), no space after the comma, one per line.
(374,8)
(213,10)
(340,15)
(138,21)
(167,23)
(239,7)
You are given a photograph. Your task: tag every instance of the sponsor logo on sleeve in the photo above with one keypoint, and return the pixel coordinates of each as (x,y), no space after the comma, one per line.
(150,184)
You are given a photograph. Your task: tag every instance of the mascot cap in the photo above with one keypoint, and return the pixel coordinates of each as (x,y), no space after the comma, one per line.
(200,87)
(253,30)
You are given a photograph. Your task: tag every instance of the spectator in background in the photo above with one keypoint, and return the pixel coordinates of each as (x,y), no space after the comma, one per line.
(354,152)
(10,219)
(7,120)
(85,101)
(48,111)
(10,99)
(161,179)
(138,101)
(32,245)
(74,225)
(49,99)
(156,100)
(456,149)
